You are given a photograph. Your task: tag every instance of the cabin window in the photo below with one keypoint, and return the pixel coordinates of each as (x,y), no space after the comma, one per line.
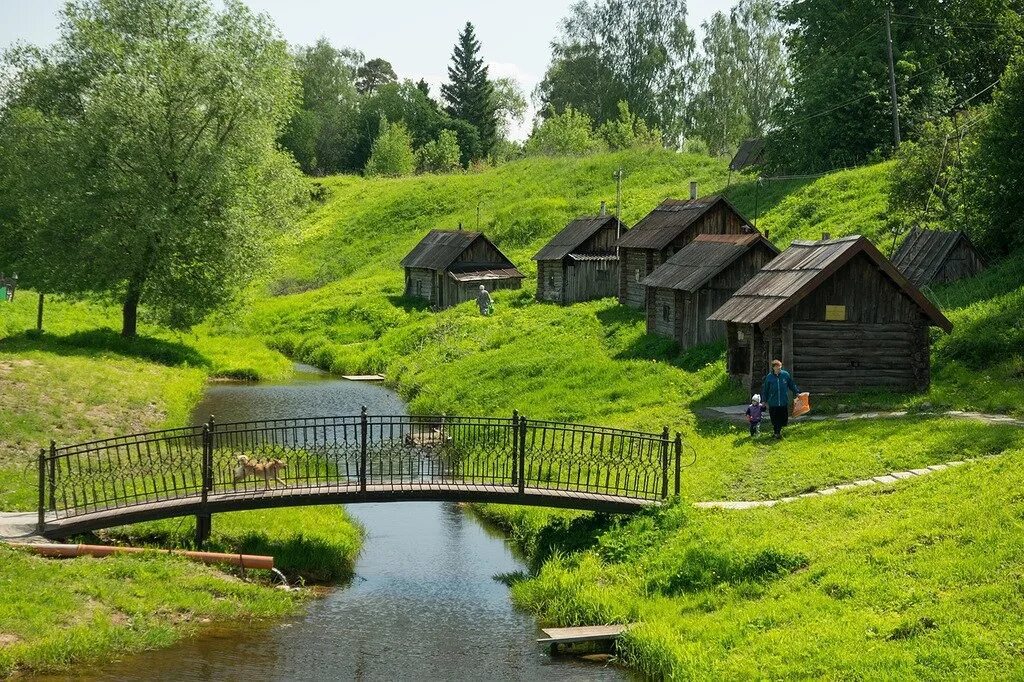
(664,312)
(835,313)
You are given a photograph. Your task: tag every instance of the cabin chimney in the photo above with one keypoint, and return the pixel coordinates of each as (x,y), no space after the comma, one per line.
(460,226)
(693,190)
(604,208)
(766,233)
(825,236)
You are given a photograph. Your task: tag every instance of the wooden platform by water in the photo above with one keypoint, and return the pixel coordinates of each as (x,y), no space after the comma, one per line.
(363,377)
(587,633)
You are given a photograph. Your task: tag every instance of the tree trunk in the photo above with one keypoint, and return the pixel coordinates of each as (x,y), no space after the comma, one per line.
(130,313)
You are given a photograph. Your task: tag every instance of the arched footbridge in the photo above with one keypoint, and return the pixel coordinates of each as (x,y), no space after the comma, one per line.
(213,467)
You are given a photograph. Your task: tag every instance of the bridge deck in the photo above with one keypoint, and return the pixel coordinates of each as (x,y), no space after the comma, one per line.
(338,494)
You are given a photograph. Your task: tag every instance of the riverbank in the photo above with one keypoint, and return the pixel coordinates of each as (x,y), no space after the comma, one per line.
(79,382)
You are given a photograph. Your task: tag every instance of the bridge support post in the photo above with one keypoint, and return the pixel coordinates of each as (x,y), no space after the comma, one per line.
(41,521)
(522,455)
(679,460)
(204,524)
(363,432)
(53,475)
(664,463)
(515,447)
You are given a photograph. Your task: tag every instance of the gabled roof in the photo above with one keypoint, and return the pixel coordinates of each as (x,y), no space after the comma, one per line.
(799,270)
(749,154)
(698,262)
(440,248)
(923,252)
(669,219)
(573,236)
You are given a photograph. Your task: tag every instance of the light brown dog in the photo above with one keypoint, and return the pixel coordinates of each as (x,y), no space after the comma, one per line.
(265,470)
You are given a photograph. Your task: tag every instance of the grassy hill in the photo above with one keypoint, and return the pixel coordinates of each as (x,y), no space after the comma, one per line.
(904,581)
(915,579)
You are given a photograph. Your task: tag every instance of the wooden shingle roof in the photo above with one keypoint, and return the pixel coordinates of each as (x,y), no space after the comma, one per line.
(923,252)
(439,249)
(799,270)
(573,236)
(749,154)
(668,220)
(704,258)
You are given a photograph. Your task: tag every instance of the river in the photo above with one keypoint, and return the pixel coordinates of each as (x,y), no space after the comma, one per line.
(423,605)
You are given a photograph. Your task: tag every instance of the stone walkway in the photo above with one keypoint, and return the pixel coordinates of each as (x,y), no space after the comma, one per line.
(891,477)
(19,527)
(736,413)
(732,412)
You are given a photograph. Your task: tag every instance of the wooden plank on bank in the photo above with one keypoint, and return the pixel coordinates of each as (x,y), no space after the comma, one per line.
(363,377)
(587,633)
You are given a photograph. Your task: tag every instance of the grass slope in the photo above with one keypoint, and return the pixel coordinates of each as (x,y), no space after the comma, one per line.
(899,580)
(81,381)
(919,580)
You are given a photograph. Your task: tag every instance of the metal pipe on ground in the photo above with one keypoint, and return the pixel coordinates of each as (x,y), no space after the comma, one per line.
(60,550)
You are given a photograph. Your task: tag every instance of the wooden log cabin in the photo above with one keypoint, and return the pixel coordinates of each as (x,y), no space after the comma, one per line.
(685,290)
(666,230)
(838,314)
(929,257)
(580,263)
(447,267)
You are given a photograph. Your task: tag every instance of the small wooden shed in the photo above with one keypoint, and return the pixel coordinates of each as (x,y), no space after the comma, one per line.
(667,229)
(929,257)
(580,263)
(838,314)
(687,288)
(750,153)
(447,267)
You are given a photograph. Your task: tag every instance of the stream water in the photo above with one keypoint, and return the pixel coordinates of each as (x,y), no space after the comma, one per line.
(424,604)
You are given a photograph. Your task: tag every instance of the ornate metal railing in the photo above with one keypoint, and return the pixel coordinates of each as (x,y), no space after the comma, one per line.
(356,453)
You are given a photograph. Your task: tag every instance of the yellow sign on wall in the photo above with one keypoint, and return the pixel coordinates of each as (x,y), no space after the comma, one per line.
(835,313)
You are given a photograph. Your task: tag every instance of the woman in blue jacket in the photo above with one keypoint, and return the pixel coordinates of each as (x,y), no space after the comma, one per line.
(775,392)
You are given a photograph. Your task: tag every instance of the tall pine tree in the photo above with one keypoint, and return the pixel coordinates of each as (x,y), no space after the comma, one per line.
(469,95)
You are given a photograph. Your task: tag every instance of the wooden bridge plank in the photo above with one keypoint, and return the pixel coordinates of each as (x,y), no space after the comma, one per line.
(587,633)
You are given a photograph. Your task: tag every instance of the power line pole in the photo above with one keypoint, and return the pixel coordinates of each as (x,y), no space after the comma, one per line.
(618,201)
(892,78)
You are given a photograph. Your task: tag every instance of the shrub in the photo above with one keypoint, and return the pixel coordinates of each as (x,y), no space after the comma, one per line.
(570,133)
(628,131)
(391,154)
(441,155)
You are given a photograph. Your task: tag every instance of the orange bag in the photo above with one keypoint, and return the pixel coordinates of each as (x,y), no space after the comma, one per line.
(802,404)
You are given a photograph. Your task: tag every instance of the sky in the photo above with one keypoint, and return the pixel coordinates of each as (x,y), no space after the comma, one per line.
(416,36)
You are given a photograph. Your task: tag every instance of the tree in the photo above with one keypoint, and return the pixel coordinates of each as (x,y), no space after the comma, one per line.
(925,182)
(719,117)
(995,169)
(759,36)
(396,102)
(469,94)
(628,131)
(391,155)
(570,133)
(509,104)
(167,117)
(637,51)
(321,133)
(441,155)
(944,55)
(373,74)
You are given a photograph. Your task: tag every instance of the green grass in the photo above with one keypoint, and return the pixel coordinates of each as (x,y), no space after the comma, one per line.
(905,581)
(57,613)
(315,544)
(919,580)
(80,381)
